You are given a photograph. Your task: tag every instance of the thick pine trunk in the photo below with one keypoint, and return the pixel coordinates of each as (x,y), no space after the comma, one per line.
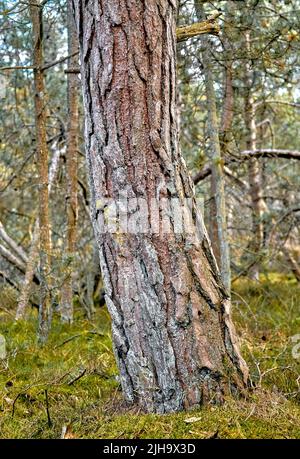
(173,337)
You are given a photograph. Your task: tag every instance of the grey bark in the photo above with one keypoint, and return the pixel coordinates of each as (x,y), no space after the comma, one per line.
(36,17)
(12,258)
(34,247)
(254,171)
(173,337)
(12,244)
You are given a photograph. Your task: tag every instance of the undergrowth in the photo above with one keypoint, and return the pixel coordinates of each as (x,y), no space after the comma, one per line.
(71,384)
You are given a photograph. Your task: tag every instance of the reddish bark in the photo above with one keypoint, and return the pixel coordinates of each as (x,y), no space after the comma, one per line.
(173,337)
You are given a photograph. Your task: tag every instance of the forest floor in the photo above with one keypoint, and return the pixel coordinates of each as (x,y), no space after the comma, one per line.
(71,384)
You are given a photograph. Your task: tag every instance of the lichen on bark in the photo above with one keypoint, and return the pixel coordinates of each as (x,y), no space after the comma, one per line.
(171,327)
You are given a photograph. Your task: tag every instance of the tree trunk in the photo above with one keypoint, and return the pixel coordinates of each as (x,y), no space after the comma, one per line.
(218,225)
(72,148)
(36,15)
(34,247)
(173,337)
(226,137)
(257,203)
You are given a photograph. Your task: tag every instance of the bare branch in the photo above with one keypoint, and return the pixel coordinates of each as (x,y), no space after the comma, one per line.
(247,154)
(11,258)
(12,244)
(45,67)
(272,152)
(210,26)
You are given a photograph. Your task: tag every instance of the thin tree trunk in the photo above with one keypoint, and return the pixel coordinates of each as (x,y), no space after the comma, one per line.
(217,226)
(253,168)
(34,247)
(36,15)
(173,337)
(227,115)
(72,148)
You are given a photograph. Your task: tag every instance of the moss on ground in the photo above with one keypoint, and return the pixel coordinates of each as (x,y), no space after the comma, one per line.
(77,371)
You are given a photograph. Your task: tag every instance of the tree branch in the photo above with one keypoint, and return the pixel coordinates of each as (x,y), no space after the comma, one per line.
(12,244)
(45,67)
(247,154)
(198,28)
(182,33)
(11,258)
(272,153)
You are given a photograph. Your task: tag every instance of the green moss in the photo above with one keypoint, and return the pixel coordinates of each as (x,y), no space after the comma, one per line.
(77,368)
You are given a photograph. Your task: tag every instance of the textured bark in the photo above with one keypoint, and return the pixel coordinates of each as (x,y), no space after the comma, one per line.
(34,248)
(227,116)
(173,337)
(228,108)
(217,222)
(29,273)
(36,15)
(72,148)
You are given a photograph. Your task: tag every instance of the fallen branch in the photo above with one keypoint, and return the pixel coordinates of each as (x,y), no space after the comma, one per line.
(77,377)
(78,336)
(47,409)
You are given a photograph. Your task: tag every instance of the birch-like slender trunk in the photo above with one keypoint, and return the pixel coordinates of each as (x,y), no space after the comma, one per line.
(36,16)
(218,225)
(254,171)
(173,337)
(72,148)
(228,107)
(32,261)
